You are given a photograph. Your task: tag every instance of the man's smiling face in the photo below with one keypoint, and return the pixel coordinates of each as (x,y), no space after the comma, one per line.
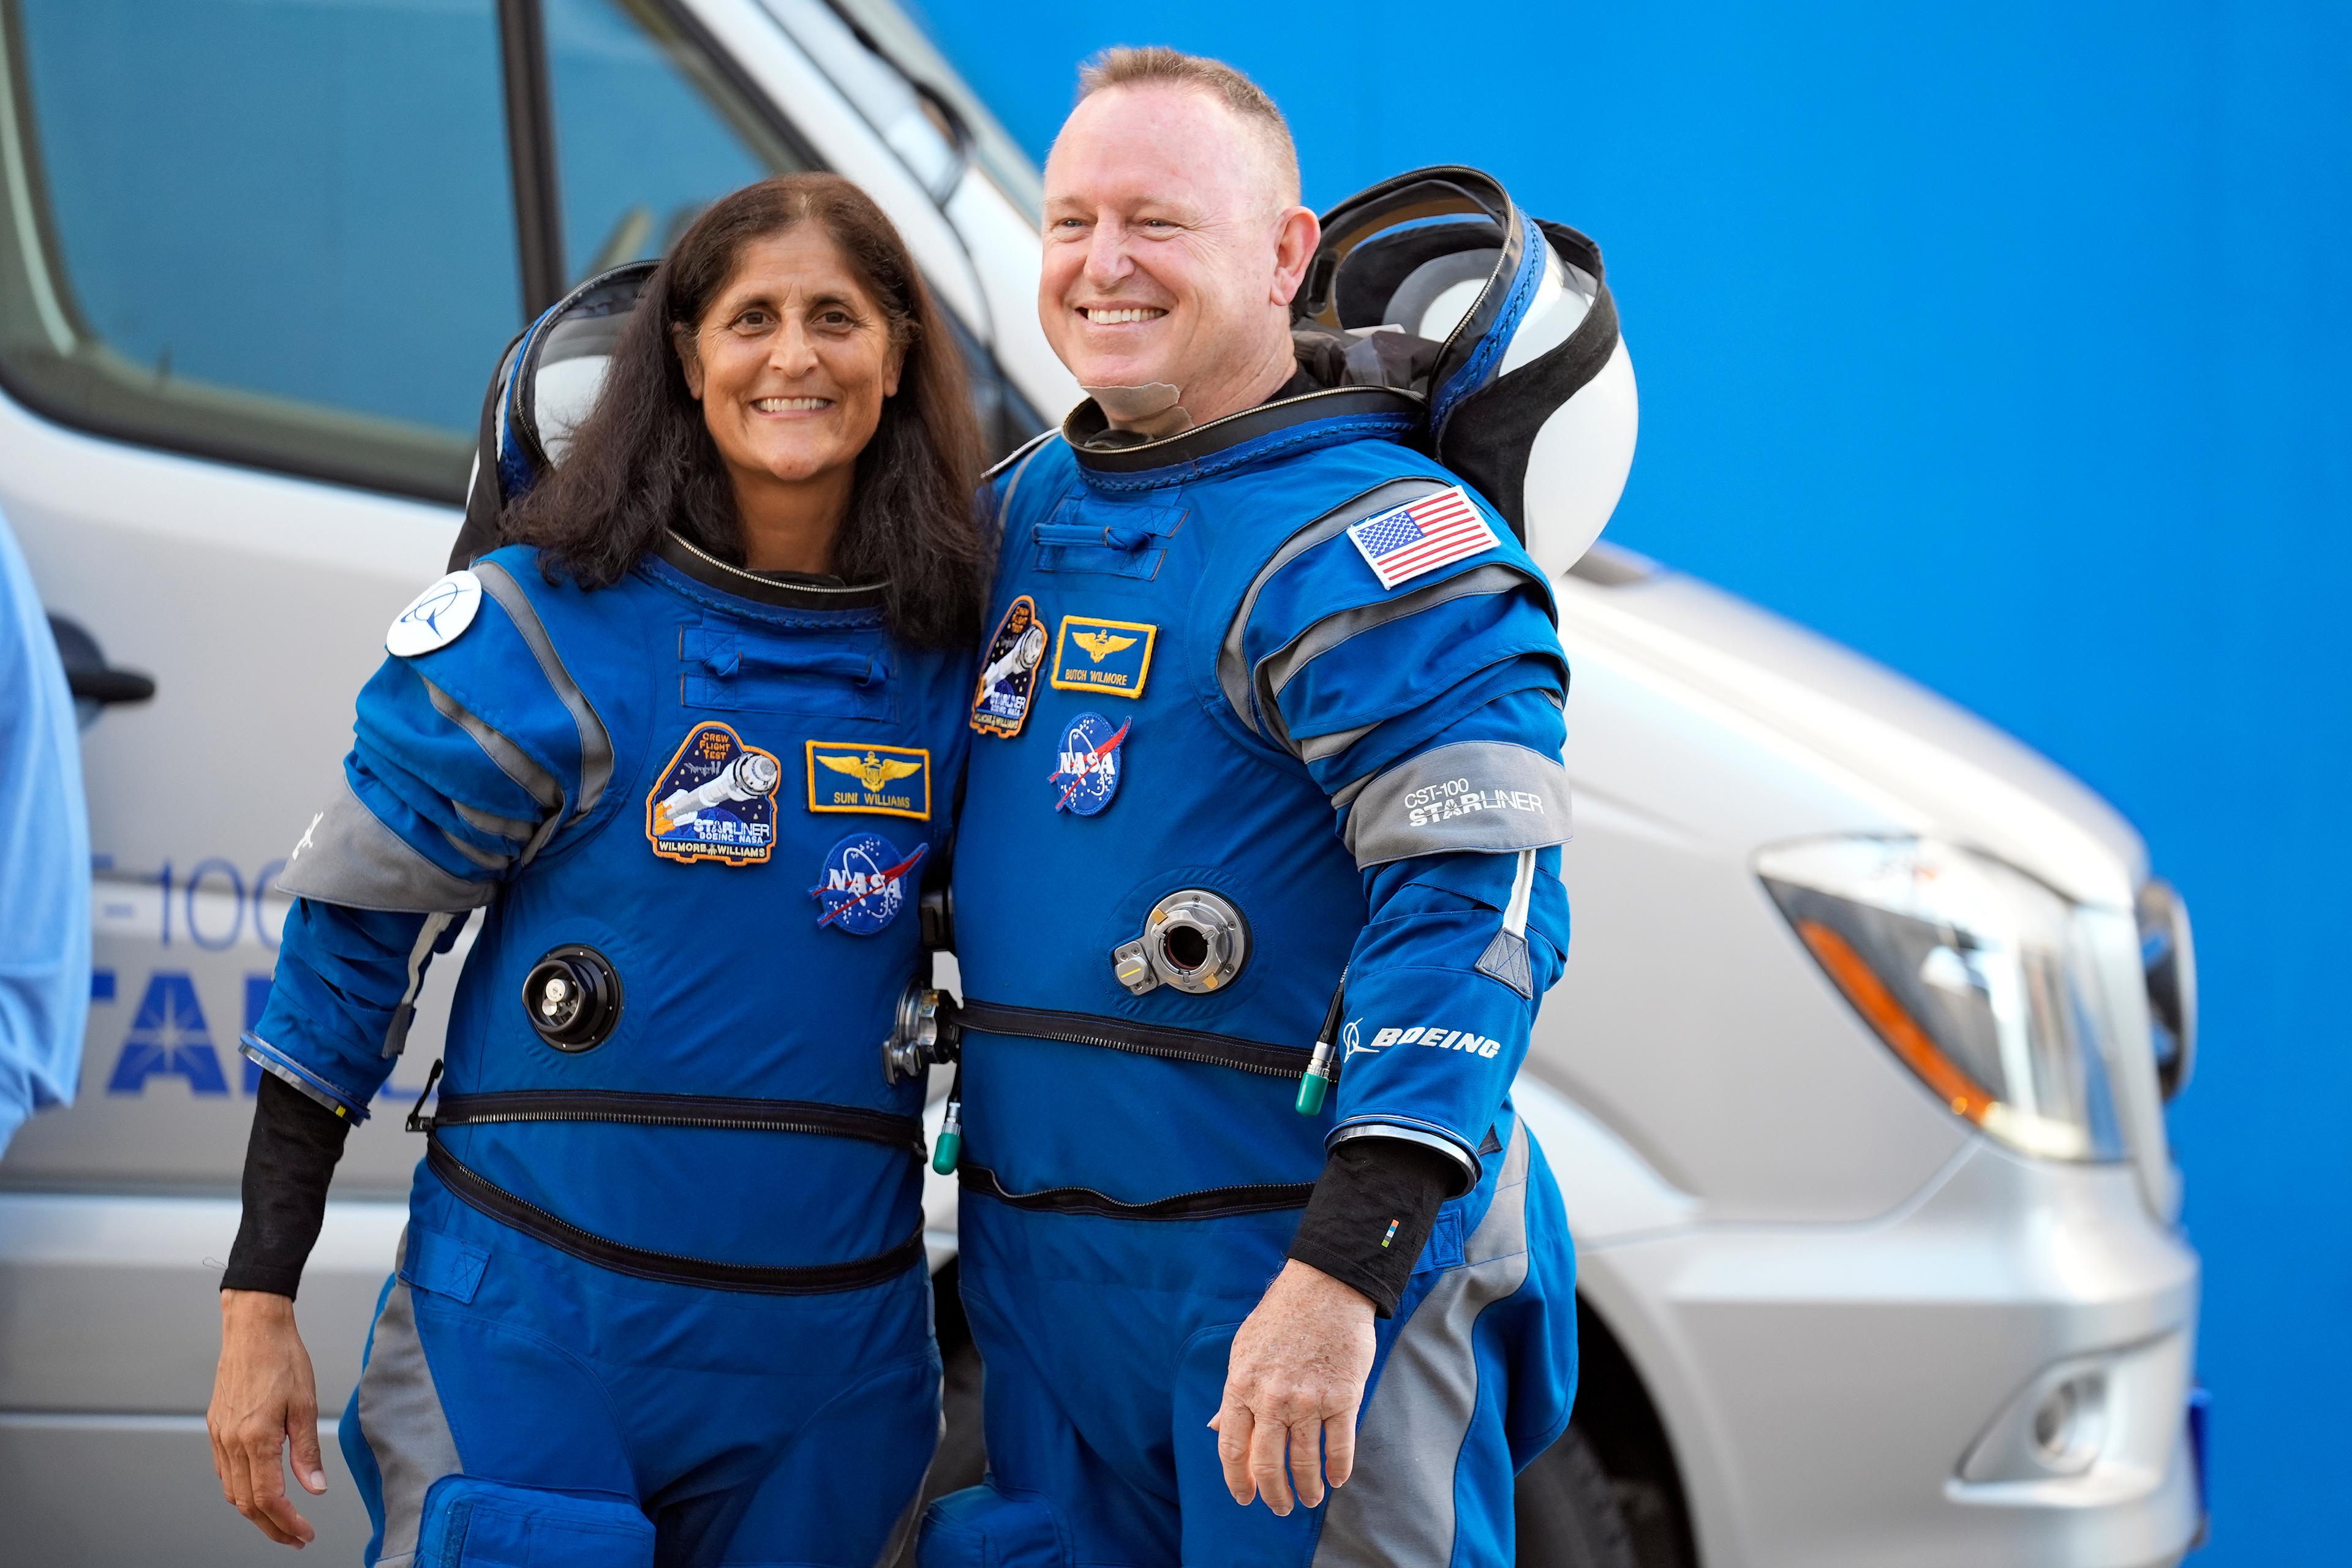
(1172,249)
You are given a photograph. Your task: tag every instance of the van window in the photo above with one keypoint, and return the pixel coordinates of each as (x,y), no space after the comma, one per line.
(648,132)
(274,231)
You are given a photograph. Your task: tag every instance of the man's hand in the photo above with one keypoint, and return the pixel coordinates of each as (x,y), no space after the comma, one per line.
(1293,1384)
(264,1396)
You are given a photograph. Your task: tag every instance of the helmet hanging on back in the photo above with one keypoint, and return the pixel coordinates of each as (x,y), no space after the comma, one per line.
(1505,326)
(547,381)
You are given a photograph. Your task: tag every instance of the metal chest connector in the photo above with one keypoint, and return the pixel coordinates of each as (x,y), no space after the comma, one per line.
(1193,940)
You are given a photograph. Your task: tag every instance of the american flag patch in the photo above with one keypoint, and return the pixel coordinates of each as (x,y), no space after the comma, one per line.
(1421,536)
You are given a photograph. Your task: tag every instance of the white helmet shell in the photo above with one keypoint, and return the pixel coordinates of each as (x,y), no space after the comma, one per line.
(546,383)
(1530,390)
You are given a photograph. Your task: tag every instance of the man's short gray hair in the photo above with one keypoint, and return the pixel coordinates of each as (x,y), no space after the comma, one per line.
(1157,64)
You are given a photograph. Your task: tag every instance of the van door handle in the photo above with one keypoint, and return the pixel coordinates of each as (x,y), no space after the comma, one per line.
(88,675)
(105,687)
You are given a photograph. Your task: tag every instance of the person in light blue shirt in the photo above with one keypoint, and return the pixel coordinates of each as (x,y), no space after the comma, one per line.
(44,860)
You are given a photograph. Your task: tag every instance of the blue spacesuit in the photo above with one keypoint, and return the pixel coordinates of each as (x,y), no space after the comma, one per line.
(662,1288)
(1269,737)
(1298,711)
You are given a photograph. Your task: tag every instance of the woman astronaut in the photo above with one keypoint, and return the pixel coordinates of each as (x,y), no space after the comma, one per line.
(692,749)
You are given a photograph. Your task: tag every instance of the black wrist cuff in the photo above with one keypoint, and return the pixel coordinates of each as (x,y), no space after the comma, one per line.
(1373,1209)
(289,1161)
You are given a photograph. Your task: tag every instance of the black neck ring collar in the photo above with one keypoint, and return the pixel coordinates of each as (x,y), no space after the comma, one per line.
(1196,452)
(793,592)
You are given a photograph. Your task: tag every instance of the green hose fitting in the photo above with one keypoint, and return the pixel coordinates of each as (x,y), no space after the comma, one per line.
(1316,1081)
(950,1139)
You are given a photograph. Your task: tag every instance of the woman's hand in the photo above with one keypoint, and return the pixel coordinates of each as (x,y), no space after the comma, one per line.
(263,1395)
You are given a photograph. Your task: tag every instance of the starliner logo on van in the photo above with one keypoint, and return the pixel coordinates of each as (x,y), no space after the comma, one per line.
(1437,1037)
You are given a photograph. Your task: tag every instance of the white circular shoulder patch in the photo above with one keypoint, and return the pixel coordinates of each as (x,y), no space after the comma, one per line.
(434,618)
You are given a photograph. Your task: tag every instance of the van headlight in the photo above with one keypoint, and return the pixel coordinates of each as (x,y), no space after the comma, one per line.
(2168,955)
(1982,981)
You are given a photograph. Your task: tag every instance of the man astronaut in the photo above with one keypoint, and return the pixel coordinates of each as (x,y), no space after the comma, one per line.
(1301,716)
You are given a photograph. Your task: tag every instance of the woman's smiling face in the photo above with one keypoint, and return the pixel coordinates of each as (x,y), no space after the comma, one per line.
(792,361)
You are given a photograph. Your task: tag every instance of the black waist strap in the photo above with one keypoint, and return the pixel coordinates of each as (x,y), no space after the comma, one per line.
(1145,1040)
(677,1111)
(1214,1202)
(805,1279)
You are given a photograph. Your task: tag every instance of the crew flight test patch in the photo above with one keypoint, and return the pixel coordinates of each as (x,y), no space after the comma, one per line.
(716,801)
(1008,673)
(1091,654)
(884,781)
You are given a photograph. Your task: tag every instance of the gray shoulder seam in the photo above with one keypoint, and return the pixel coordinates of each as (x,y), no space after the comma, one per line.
(495,865)
(1018,462)
(507,757)
(487,822)
(1279,669)
(595,741)
(1020,453)
(1232,673)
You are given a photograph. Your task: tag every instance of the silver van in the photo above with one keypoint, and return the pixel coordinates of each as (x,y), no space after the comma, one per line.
(1854,1085)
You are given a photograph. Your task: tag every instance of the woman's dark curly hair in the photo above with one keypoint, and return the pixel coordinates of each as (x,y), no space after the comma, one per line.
(642,460)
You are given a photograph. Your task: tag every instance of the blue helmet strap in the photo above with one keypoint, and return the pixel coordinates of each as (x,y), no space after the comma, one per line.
(1492,430)
(511,455)
(1387,254)
(485,496)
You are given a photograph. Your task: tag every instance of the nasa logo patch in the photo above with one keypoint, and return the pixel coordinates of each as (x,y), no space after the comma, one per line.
(716,801)
(1091,765)
(434,618)
(1008,675)
(864,883)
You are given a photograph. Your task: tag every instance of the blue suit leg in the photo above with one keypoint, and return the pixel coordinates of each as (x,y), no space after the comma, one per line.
(448,1393)
(1477,1382)
(1107,1343)
(839,1489)
(1218,1531)
(357,1455)
(518,1405)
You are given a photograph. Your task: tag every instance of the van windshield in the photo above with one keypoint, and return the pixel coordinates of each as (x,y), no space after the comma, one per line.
(903,41)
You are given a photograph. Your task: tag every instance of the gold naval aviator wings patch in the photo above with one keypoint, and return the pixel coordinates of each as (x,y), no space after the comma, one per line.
(1113,658)
(878,781)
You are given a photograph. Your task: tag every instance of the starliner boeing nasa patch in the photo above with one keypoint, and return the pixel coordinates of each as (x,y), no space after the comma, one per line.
(1091,654)
(886,780)
(716,801)
(1090,764)
(864,883)
(434,618)
(1404,541)
(1008,673)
